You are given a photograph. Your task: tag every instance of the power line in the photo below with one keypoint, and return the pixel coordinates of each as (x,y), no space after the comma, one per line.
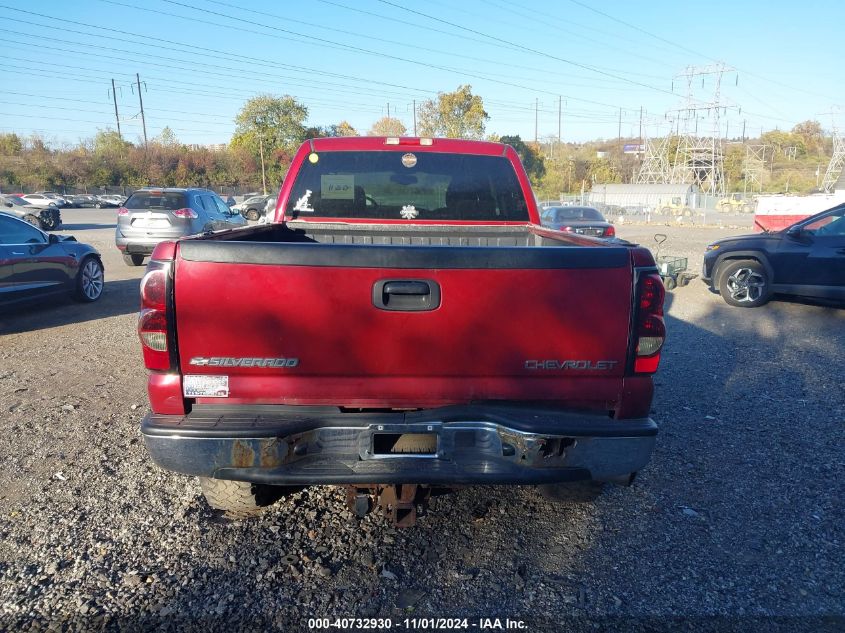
(230,56)
(791,87)
(312,39)
(370,37)
(525,48)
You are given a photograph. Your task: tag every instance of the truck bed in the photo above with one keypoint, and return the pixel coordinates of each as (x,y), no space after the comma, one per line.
(520,315)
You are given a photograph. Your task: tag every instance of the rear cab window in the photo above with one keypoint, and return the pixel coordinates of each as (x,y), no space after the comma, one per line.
(157,201)
(407,186)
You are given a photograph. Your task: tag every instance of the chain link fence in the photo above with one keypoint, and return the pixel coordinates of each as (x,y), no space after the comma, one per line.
(699,208)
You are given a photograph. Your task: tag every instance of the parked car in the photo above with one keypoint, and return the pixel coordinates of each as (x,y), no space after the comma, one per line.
(152,215)
(806,259)
(59,199)
(108,202)
(406,326)
(252,208)
(82,200)
(579,220)
(269,206)
(46,218)
(39,200)
(20,208)
(35,265)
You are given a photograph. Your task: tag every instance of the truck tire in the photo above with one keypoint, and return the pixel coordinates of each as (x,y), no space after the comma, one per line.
(133,259)
(744,283)
(572,491)
(239,499)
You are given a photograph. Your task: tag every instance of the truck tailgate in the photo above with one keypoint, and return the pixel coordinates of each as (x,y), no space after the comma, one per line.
(547,324)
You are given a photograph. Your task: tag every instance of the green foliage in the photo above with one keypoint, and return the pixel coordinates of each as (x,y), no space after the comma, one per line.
(10,145)
(277,123)
(167,137)
(602,170)
(458,114)
(388,126)
(532,161)
(732,165)
(109,143)
(811,135)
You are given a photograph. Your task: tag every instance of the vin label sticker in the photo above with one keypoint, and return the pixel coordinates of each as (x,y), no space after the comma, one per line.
(198,386)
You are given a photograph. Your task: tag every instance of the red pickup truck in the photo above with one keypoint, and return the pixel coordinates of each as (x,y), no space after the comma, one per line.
(404,326)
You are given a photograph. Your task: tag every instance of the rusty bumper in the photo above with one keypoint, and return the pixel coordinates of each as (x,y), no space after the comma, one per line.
(473,444)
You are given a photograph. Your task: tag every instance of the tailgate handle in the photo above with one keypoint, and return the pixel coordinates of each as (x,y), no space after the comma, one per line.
(406,295)
(407,288)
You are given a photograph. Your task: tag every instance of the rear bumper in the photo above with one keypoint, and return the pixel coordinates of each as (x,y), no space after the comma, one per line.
(474,445)
(139,245)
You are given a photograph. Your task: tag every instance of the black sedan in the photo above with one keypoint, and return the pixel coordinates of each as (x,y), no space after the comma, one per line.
(35,265)
(580,220)
(806,259)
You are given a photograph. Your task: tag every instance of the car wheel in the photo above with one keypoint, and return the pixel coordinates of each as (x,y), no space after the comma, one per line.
(98,206)
(50,220)
(572,491)
(239,499)
(90,280)
(744,283)
(252,214)
(133,259)
(33,220)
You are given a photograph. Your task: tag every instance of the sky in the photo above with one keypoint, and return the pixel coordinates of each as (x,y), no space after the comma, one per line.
(570,67)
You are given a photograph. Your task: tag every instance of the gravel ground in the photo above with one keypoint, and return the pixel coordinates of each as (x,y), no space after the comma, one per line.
(737,523)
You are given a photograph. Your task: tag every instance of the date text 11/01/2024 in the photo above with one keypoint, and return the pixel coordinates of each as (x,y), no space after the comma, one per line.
(419,624)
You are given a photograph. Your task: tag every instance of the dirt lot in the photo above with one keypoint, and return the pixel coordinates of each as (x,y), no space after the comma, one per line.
(737,524)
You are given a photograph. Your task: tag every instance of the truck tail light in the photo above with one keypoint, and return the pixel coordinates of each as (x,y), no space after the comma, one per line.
(610,232)
(650,329)
(153,326)
(122,211)
(186,213)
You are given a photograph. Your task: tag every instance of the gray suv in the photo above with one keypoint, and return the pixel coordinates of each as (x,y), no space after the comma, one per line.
(151,216)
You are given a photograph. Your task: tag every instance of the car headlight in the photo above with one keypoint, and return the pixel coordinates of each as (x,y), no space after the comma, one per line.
(712,247)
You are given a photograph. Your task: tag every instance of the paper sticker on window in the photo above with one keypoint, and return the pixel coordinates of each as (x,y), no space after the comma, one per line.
(337,187)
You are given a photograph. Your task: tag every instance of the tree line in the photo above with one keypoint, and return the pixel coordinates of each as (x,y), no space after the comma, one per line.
(272,127)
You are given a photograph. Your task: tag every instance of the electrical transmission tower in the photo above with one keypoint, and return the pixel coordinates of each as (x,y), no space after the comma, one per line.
(698,156)
(837,161)
(753,167)
(655,167)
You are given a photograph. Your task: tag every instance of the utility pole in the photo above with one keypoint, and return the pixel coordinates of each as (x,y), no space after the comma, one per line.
(141,101)
(536,108)
(116,117)
(388,110)
(415,117)
(559,115)
(743,130)
(619,134)
(640,137)
(261,149)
